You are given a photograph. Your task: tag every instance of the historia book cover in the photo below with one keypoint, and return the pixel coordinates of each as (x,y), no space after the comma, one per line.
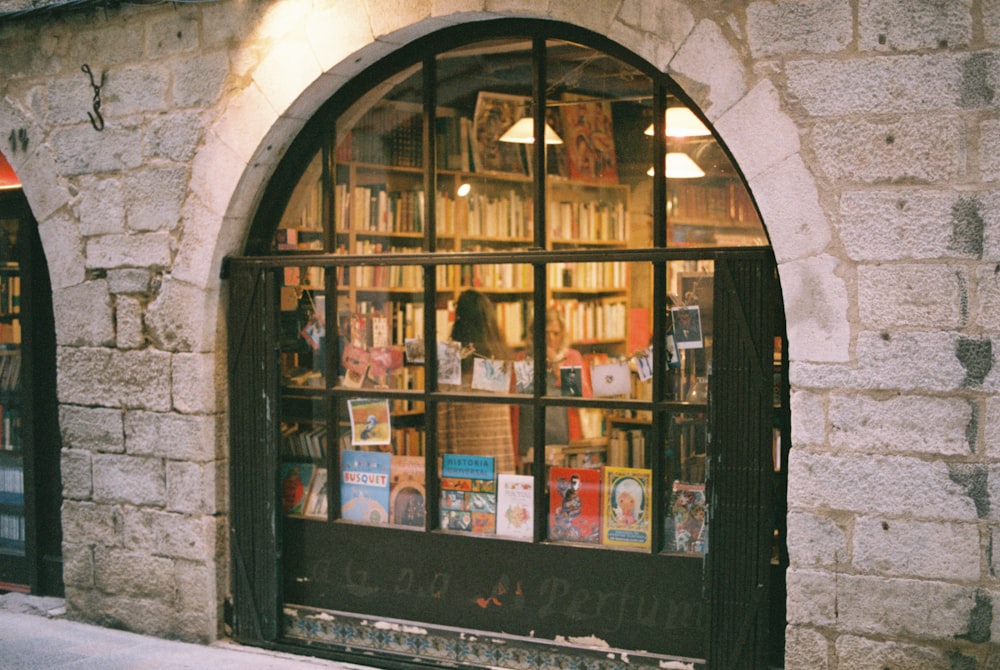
(468,493)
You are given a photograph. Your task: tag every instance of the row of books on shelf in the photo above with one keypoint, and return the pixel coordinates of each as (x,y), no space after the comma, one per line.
(300,442)
(608,276)
(729,201)
(377,208)
(627,447)
(10,428)
(588,221)
(496,277)
(594,320)
(390,133)
(10,332)
(11,530)
(10,293)
(579,276)
(10,368)
(12,485)
(300,239)
(609,506)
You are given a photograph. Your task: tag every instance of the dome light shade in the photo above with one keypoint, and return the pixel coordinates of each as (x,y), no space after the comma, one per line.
(682,122)
(680,166)
(523,132)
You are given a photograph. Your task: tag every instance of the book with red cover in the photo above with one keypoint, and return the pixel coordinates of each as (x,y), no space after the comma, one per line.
(575,504)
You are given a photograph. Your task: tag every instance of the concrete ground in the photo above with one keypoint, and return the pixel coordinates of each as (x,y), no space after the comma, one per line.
(35,635)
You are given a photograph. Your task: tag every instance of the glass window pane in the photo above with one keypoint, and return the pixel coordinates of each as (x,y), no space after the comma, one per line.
(302,341)
(380,328)
(707,201)
(485,197)
(599,106)
(301,224)
(304,445)
(379,200)
(476,445)
(482,332)
(592,299)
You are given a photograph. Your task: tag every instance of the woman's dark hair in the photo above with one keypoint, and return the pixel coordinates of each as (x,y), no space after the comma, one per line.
(476,324)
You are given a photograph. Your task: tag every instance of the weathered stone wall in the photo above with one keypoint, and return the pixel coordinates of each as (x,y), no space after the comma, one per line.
(867,130)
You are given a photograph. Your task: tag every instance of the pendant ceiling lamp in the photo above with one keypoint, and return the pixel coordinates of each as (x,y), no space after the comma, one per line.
(682,122)
(680,166)
(523,132)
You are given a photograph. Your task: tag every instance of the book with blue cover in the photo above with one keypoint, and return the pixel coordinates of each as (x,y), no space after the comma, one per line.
(364,486)
(468,493)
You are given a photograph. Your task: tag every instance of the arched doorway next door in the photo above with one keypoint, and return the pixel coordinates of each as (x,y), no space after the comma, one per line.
(30,443)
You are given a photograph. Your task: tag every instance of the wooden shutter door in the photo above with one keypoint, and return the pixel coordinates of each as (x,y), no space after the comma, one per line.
(741,471)
(253,432)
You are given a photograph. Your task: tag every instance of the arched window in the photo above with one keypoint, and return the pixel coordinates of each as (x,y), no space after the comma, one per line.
(505,385)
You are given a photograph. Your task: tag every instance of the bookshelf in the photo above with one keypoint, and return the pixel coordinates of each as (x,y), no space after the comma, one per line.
(12,506)
(30,444)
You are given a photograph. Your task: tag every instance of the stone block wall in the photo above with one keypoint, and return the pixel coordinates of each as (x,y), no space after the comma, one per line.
(868,132)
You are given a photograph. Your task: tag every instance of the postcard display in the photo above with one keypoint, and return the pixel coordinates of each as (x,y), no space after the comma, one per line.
(354,465)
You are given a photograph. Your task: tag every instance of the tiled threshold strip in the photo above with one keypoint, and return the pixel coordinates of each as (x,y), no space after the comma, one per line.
(455,647)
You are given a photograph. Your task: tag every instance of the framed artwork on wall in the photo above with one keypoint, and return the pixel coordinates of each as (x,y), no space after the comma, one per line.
(495,114)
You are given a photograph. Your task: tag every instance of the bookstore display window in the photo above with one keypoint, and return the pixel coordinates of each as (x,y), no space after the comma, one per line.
(487,339)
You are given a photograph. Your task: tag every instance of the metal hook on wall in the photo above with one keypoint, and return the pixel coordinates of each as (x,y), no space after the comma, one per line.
(96,119)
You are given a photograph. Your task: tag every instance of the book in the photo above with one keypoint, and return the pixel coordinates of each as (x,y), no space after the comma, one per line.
(407,491)
(364,486)
(317,500)
(515,505)
(625,507)
(686,523)
(468,493)
(575,504)
(295,478)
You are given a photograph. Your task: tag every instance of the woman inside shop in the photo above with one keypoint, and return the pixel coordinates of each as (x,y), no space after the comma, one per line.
(561,361)
(481,429)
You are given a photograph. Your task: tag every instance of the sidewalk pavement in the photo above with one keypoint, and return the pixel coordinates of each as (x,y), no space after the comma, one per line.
(35,635)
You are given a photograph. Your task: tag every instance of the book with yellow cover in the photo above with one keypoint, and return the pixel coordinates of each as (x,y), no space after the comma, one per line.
(625,507)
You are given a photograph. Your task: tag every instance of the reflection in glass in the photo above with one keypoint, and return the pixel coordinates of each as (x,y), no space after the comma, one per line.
(303,326)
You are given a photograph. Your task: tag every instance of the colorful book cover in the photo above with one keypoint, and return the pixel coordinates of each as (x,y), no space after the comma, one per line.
(626,507)
(468,493)
(515,505)
(295,478)
(687,520)
(407,491)
(371,422)
(575,504)
(317,501)
(364,486)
